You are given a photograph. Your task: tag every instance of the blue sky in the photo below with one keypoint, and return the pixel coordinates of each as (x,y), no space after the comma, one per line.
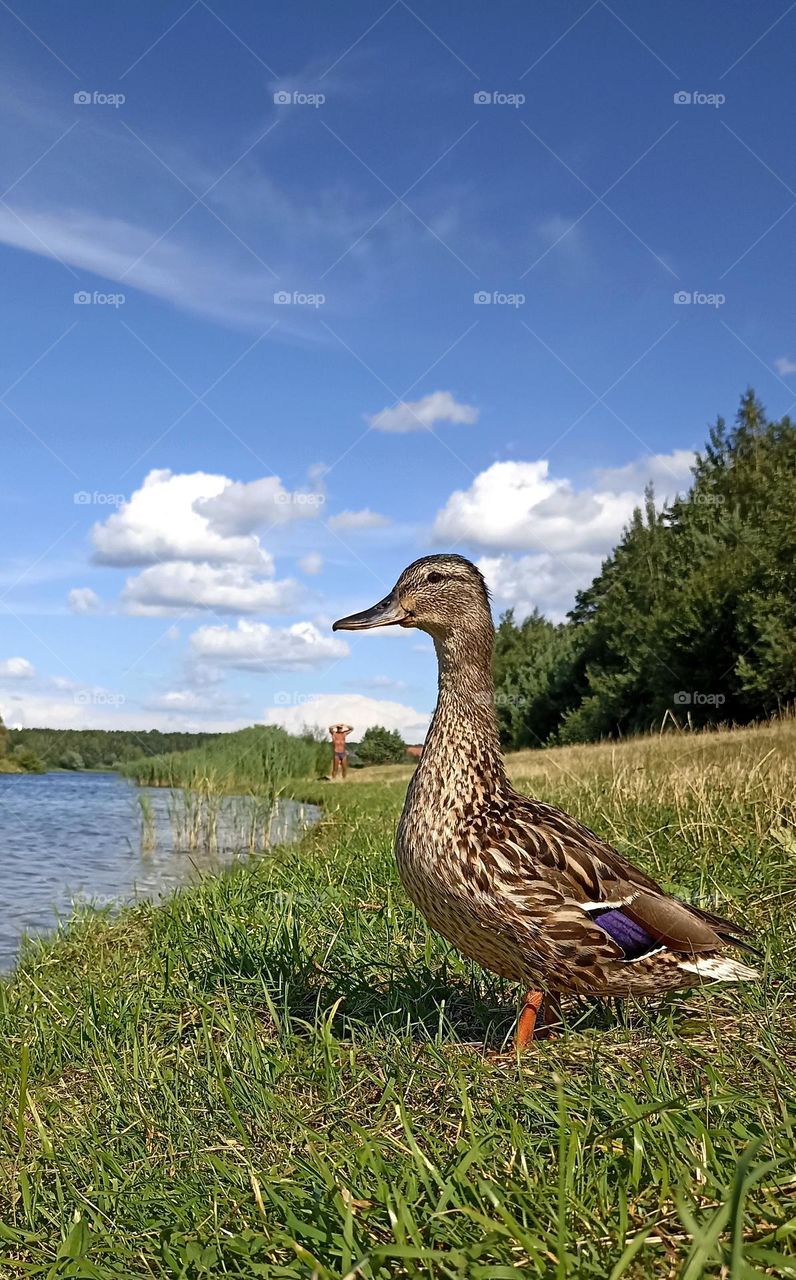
(480,219)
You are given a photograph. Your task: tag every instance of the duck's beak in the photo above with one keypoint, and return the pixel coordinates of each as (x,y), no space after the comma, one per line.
(388,612)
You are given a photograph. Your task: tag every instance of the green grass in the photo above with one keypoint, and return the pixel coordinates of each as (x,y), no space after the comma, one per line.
(266,1076)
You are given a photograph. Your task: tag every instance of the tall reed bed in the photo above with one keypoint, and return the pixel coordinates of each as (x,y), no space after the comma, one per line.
(257,761)
(224,794)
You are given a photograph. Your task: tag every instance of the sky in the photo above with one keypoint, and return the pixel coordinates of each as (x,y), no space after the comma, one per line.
(293,294)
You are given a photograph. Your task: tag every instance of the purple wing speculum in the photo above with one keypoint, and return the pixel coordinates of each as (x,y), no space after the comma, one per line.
(631,937)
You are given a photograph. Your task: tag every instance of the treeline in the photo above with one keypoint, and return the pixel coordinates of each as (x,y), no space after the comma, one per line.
(97,748)
(692,618)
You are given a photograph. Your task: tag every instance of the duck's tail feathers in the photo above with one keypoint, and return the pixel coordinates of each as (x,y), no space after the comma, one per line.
(719,969)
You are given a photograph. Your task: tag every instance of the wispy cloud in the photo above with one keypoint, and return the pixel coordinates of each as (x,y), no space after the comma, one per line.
(424,414)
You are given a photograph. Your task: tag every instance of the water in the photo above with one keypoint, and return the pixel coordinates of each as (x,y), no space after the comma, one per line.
(72,838)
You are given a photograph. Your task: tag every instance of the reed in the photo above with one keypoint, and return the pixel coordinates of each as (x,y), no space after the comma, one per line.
(256,761)
(148,826)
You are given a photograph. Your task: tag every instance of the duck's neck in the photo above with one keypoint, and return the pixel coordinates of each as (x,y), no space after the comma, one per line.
(461,757)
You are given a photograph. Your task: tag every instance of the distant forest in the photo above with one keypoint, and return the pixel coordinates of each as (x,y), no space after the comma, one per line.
(94,748)
(692,618)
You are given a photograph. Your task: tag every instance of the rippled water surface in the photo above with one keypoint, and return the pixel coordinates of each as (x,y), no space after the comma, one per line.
(68,838)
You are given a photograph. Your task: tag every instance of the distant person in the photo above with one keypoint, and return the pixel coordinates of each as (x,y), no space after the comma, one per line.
(339,734)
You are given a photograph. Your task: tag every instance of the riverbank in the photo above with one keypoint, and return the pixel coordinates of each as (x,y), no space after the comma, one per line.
(268,1075)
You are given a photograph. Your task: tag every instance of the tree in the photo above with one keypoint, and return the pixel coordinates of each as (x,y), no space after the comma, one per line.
(72,760)
(3,739)
(693,613)
(381,746)
(535,678)
(26,760)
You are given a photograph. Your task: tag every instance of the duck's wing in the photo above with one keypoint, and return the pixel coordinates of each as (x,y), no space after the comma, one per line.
(599,886)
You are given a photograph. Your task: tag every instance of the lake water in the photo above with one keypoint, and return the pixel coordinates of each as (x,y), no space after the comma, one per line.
(71,838)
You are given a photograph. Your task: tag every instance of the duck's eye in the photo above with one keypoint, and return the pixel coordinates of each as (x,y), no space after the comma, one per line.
(435,577)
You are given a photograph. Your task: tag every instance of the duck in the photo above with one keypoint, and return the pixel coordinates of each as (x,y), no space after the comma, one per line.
(514,883)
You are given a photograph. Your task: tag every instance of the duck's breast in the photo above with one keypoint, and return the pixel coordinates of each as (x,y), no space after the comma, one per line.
(438,877)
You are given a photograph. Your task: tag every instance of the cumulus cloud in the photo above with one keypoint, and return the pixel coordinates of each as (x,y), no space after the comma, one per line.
(543,582)
(356,709)
(562,531)
(177,587)
(16,669)
(670,473)
(241,508)
(254,646)
(784,366)
(83,600)
(364,519)
(311,564)
(160,522)
(423,415)
(201,517)
(519,506)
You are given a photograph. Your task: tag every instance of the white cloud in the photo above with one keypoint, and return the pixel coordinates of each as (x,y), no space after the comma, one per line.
(242,508)
(254,646)
(16,669)
(311,564)
(83,600)
(543,582)
(160,522)
(519,506)
(97,709)
(784,366)
(323,709)
(175,587)
(670,473)
(364,519)
(564,531)
(422,415)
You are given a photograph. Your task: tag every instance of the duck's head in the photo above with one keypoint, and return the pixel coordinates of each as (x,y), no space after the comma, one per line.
(444,595)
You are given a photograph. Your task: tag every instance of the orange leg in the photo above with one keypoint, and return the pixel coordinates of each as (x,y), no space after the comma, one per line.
(526,1024)
(538,1016)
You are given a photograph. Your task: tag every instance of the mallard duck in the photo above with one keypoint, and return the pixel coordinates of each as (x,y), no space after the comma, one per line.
(515,884)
